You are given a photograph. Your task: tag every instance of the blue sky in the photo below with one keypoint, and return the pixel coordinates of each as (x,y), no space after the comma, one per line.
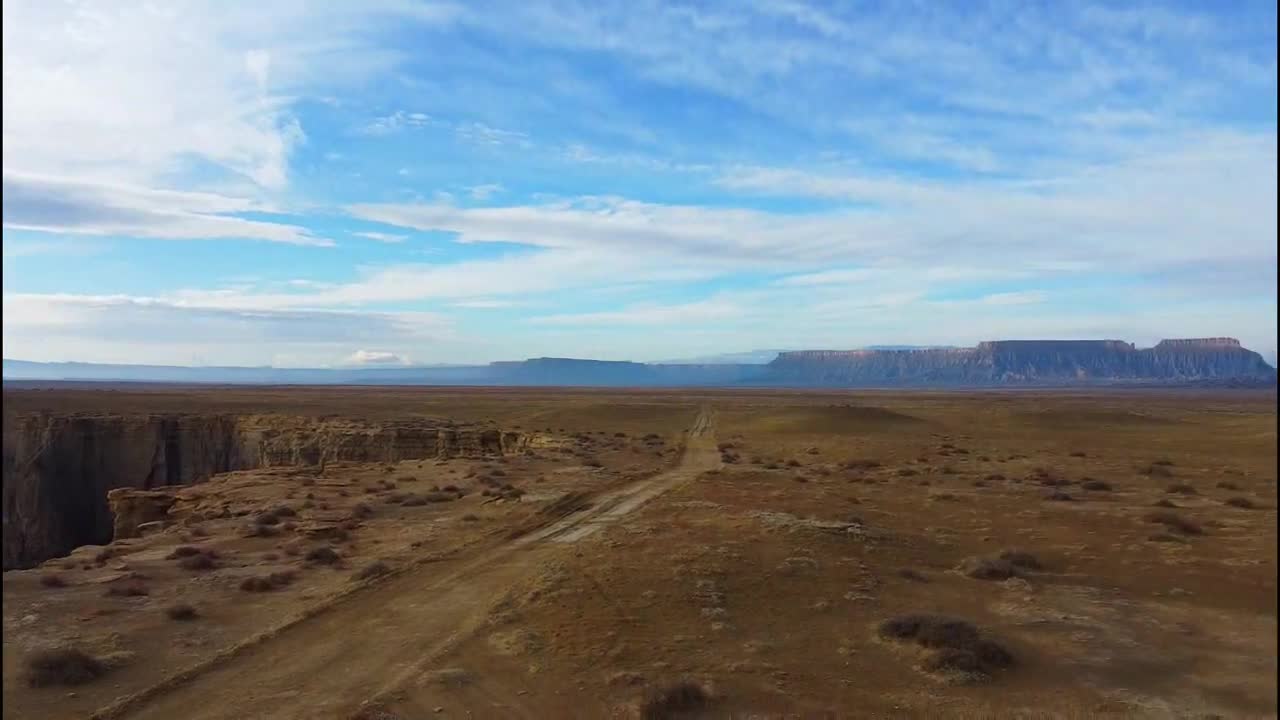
(323,184)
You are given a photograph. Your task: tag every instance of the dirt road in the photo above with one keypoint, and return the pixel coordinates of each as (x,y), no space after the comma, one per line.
(375,639)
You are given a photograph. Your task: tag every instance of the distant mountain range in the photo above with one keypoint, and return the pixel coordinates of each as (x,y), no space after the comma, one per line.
(1200,361)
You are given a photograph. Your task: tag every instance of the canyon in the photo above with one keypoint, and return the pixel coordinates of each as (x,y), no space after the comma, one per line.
(58,469)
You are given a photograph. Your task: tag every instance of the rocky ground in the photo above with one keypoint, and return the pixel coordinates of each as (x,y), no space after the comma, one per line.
(719,554)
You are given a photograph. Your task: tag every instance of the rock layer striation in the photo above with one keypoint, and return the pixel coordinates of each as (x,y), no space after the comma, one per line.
(59,469)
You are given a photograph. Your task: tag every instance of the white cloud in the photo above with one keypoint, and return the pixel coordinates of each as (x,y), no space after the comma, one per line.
(62,205)
(484,304)
(119,328)
(375,357)
(646,315)
(382,237)
(1014,298)
(131,96)
(485,191)
(481,134)
(396,122)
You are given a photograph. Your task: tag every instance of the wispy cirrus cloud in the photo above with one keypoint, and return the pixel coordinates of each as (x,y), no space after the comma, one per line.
(63,205)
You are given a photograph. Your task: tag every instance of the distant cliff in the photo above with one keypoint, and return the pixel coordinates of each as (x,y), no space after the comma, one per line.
(1027,362)
(1218,361)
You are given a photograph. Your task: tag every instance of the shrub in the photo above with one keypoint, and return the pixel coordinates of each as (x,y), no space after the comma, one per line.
(861,464)
(128,590)
(1173,521)
(913,575)
(674,700)
(372,570)
(266,583)
(1157,470)
(1077,453)
(256,584)
(199,561)
(1021,559)
(406,478)
(1095,485)
(1164,503)
(988,568)
(906,472)
(181,611)
(62,666)
(184,551)
(1240,502)
(1181,489)
(51,580)
(267,518)
(1228,485)
(323,555)
(259,530)
(470,517)
(1059,496)
(958,646)
(361,510)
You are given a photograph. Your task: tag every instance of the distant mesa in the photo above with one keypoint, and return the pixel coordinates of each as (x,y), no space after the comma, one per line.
(1214,361)
(1030,362)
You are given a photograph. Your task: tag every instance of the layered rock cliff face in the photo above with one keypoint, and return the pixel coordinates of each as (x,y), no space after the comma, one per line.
(1026,362)
(59,469)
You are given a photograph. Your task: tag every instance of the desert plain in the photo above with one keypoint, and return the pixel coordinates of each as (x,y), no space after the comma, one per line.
(654,554)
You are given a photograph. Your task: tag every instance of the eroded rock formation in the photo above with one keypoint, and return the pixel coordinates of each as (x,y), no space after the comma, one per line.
(58,469)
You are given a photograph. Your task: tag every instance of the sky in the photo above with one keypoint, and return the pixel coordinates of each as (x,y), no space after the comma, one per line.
(393,182)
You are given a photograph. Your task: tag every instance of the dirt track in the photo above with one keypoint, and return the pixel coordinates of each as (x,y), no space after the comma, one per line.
(327,665)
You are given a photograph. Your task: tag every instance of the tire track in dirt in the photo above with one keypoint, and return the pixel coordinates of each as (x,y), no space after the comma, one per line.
(372,641)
